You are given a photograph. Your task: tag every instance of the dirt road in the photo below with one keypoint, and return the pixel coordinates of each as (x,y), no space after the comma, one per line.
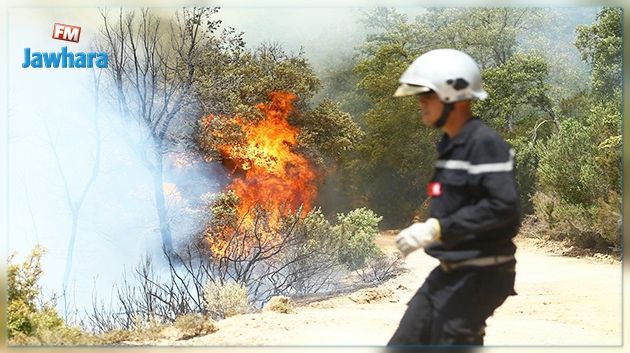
(561,301)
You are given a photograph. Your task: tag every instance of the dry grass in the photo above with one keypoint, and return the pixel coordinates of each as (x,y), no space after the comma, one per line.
(534,235)
(280,304)
(225,300)
(374,295)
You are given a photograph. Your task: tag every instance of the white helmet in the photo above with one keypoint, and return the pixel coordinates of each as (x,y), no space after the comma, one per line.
(452,74)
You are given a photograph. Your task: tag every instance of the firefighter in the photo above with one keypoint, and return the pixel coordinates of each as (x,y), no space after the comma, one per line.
(474,212)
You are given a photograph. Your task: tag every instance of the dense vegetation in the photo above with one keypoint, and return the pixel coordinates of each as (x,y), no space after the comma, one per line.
(563,122)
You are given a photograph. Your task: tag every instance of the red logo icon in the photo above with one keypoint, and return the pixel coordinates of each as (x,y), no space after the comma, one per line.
(68,33)
(435,189)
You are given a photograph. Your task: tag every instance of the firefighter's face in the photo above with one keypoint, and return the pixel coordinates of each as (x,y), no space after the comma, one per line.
(430,107)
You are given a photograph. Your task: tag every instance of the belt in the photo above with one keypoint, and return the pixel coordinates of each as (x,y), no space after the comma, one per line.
(481,261)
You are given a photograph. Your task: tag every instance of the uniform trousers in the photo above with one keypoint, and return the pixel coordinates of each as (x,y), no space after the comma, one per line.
(451,307)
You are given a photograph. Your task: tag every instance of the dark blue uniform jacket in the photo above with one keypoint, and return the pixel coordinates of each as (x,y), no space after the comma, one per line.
(474,195)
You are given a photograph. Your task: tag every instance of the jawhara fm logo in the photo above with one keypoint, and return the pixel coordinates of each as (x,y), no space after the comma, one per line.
(64,58)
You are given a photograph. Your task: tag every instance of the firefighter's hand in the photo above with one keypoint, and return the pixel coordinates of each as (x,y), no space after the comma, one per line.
(418,235)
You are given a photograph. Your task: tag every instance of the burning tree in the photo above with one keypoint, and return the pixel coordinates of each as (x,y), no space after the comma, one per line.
(264,231)
(273,189)
(269,173)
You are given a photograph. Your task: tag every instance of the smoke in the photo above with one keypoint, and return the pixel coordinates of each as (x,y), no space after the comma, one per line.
(58,131)
(326,35)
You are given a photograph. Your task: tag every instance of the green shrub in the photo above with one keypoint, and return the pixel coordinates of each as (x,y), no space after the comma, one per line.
(566,163)
(357,231)
(579,181)
(314,235)
(596,226)
(525,172)
(31,319)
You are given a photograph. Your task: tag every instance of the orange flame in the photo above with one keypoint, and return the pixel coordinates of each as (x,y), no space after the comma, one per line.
(275,177)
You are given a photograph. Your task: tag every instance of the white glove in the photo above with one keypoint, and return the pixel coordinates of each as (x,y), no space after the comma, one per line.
(418,235)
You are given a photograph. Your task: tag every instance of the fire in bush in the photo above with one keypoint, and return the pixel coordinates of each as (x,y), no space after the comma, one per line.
(64,59)
(269,172)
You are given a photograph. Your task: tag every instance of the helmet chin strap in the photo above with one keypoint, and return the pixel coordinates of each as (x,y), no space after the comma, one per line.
(448,108)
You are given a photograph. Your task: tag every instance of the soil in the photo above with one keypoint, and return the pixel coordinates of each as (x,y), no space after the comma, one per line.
(561,300)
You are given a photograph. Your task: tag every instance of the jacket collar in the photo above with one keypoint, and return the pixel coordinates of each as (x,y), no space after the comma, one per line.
(446,144)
